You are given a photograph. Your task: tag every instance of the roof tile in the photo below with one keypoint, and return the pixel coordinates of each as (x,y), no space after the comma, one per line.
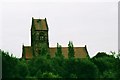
(80,52)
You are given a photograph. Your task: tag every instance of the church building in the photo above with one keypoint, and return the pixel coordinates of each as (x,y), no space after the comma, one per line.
(40,39)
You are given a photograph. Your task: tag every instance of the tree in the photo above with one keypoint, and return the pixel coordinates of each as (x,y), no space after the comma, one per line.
(39,65)
(49,75)
(59,51)
(70,50)
(117,65)
(58,66)
(22,68)
(81,68)
(101,54)
(44,50)
(9,65)
(106,65)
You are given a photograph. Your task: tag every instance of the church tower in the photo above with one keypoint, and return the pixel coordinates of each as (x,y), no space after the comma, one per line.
(40,43)
(39,36)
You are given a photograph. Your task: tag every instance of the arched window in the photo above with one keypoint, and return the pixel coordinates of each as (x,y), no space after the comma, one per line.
(42,37)
(37,36)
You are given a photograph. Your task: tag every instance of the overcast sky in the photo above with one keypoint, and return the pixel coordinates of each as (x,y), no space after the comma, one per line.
(94,24)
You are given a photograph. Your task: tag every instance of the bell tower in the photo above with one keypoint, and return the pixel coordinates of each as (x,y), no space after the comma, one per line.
(39,36)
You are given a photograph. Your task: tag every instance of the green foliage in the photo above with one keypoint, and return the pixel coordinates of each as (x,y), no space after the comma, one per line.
(70,50)
(49,75)
(22,69)
(58,66)
(43,66)
(59,51)
(81,68)
(43,51)
(38,65)
(101,55)
(117,67)
(13,67)
(106,65)
(118,55)
(9,66)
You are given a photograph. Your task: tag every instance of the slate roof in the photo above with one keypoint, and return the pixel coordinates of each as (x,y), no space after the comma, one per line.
(40,24)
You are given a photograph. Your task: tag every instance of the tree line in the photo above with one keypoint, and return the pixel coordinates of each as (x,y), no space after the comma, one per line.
(43,66)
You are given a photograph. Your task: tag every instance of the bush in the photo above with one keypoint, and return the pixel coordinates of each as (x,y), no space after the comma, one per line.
(44,66)
(82,68)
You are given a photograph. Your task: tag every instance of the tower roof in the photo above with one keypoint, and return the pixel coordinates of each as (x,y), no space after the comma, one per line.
(39,24)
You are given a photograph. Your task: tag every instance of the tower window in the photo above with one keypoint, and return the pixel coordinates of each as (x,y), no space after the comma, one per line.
(42,38)
(37,36)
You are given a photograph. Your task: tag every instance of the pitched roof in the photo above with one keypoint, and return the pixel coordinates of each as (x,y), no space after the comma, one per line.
(27,52)
(80,52)
(40,24)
